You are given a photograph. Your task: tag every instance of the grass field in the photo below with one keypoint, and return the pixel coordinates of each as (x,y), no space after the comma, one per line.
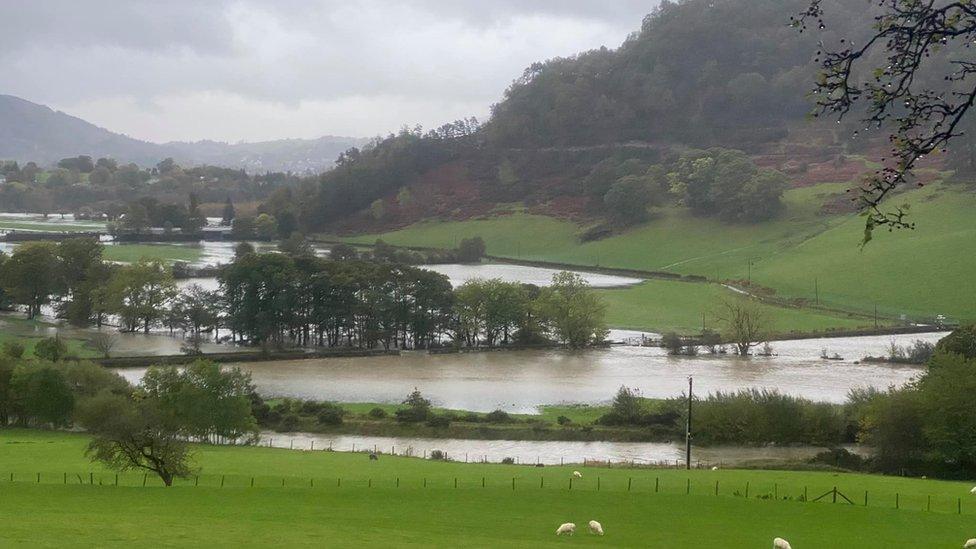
(130,253)
(298,499)
(14,328)
(75,227)
(803,254)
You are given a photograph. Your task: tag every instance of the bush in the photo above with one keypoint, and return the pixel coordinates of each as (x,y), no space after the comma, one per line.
(839,457)
(563,420)
(310,408)
(439,421)
(438,455)
(508,461)
(289,423)
(377,413)
(330,414)
(13,349)
(498,416)
(51,348)
(471,417)
(672,342)
(417,410)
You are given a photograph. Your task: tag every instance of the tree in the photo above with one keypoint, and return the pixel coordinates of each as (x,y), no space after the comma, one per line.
(265,227)
(135,434)
(417,410)
(103,343)
(296,246)
(31,276)
(728,184)
(229,214)
(195,220)
(575,314)
(51,349)
(471,250)
(42,395)
(890,74)
(139,293)
(745,324)
(242,249)
(627,200)
(243,228)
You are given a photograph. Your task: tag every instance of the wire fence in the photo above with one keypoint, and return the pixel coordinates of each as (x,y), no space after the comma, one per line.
(646,485)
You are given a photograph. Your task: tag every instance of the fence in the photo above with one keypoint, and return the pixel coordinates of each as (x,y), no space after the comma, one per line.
(644,485)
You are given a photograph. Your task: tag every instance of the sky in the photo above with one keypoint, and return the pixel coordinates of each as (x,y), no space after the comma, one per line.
(254,70)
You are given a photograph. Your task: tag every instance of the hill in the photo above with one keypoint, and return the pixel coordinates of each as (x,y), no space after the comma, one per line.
(32,132)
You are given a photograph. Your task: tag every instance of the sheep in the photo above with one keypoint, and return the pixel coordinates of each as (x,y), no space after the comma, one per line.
(577,474)
(780,543)
(970,544)
(715,468)
(566,528)
(973,491)
(596,528)
(373,456)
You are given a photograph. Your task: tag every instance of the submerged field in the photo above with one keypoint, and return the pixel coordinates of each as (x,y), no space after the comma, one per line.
(804,254)
(322,498)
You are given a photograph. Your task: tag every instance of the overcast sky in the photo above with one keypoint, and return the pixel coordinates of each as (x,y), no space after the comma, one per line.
(267,69)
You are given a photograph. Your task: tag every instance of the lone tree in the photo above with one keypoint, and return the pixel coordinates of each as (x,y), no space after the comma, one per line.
(890,74)
(745,325)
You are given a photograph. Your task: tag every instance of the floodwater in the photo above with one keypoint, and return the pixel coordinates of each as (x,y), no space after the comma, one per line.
(545,452)
(520,381)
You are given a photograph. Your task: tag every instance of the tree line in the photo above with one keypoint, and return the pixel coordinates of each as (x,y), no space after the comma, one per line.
(295,298)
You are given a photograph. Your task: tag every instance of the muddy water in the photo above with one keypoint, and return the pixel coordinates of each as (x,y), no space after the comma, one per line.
(519,381)
(546,452)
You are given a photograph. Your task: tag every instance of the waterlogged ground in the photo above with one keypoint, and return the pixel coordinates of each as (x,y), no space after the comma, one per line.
(519,381)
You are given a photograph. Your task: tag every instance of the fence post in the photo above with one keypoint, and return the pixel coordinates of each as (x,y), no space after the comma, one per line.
(775,490)
(91,478)
(541,481)
(222,479)
(896,500)
(716,487)
(688,488)
(144,478)
(370,483)
(455,482)
(39,478)
(747,488)
(398,482)
(570,483)
(66,478)
(482,482)
(196,480)
(116,478)
(805,498)
(338,482)
(513,483)
(865,498)
(929,503)
(629,480)
(597,484)
(311,482)
(657,483)
(835,494)
(959,506)
(252,482)
(425,482)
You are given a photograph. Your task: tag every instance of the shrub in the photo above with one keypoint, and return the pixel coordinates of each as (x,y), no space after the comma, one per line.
(438,455)
(51,348)
(330,414)
(471,417)
(563,420)
(839,457)
(498,416)
(310,407)
(439,421)
(13,349)
(672,342)
(377,413)
(508,461)
(289,423)
(417,410)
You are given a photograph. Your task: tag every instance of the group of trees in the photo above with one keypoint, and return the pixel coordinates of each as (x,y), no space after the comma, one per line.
(274,299)
(147,427)
(295,298)
(86,186)
(147,212)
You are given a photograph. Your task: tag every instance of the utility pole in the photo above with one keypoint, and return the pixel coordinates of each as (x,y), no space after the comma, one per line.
(688,431)
(816,290)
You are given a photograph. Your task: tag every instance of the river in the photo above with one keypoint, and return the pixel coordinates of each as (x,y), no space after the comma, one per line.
(545,452)
(520,381)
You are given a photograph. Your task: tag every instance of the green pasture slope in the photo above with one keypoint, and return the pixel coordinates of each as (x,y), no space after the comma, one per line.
(918,273)
(298,499)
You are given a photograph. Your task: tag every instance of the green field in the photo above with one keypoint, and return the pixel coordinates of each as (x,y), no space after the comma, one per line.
(130,253)
(333,499)
(75,227)
(803,254)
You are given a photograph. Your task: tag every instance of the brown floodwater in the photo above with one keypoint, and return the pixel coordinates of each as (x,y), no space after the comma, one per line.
(519,381)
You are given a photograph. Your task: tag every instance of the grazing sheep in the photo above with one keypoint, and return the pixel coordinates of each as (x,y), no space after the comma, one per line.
(577,474)
(566,528)
(973,491)
(780,543)
(970,543)
(715,468)
(596,528)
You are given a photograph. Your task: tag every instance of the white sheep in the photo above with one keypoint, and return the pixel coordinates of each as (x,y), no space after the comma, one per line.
(973,491)
(596,528)
(780,543)
(577,474)
(715,468)
(566,528)
(970,544)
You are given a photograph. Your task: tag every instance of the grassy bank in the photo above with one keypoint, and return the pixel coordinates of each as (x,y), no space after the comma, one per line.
(803,254)
(385,502)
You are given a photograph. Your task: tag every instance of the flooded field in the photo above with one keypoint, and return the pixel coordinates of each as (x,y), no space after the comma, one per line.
(519,381)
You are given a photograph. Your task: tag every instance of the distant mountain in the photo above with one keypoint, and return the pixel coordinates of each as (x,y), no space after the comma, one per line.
(33,132)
